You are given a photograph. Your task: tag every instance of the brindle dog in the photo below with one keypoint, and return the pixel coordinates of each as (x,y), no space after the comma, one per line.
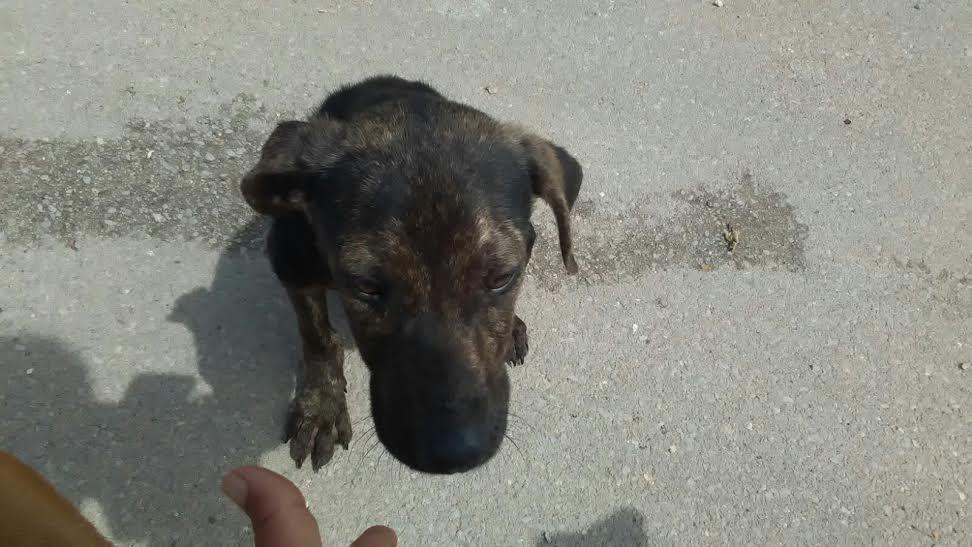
(416,210)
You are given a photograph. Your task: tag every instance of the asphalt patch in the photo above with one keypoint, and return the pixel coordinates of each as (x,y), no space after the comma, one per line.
(745,226)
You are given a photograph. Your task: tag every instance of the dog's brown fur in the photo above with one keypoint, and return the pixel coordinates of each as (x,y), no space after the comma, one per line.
(415,209)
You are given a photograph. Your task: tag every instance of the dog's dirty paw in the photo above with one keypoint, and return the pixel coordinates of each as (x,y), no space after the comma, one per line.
(318,421)
(521,343)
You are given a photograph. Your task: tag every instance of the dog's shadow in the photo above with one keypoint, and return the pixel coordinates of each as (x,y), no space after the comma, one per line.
(153,461)
(626,527)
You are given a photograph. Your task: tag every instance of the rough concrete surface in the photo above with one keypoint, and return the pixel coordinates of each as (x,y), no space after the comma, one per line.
(812,387)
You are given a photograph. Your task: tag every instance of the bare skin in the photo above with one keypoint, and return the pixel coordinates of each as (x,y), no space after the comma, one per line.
(279,514)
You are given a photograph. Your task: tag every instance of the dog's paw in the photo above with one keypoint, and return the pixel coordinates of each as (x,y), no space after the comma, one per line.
(317,422)
(521,343)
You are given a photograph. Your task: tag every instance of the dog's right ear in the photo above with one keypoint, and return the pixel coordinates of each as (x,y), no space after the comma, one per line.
(295,154)
(556,178)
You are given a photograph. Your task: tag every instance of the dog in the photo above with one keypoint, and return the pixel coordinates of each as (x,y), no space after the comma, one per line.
(34,514)
(415,211)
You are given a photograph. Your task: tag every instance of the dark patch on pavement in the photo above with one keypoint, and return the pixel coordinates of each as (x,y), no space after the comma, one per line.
(172,181)
(611,247)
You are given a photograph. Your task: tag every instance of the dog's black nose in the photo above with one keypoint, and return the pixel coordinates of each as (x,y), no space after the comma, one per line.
(457,449)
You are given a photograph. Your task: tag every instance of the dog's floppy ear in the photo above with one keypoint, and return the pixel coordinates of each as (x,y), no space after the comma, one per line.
(556,178)
(295,154)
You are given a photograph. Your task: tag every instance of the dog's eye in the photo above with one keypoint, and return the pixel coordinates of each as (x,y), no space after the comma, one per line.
(500,281)
(367,289)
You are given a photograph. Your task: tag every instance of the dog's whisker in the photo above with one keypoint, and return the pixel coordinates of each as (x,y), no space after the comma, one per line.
(372,447)
(518,449)
(364,438)
(524,431)
(520,420)
(381,454)
(367,452)
(507,459)
(355,441)
(525,406)
(499,472)
(400,469)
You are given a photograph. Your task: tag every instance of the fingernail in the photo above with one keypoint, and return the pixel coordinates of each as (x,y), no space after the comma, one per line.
(235,488)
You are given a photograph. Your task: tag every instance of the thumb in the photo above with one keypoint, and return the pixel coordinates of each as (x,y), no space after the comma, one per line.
(277,510)
(377,536)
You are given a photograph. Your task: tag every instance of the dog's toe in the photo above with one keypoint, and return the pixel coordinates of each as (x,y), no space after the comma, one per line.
(521,343)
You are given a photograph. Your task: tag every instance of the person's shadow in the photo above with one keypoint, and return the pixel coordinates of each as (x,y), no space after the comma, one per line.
(153,462)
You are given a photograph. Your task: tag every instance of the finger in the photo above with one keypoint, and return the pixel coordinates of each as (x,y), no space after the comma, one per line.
(277,510)
(377,536)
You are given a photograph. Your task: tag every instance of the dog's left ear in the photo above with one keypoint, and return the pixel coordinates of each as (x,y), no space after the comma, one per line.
(556,178)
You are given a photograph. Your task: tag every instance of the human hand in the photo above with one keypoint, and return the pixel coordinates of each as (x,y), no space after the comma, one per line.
(279,514)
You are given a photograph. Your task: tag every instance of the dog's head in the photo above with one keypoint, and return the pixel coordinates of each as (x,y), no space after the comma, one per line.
(422,211)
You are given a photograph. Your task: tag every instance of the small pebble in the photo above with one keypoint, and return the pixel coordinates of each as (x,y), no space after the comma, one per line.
(847,121)
(30,371)
(210,157)
(634,328)
(717,3)
(963,366)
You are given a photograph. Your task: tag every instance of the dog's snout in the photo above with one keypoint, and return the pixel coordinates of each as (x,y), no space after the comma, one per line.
(431,346)
(435,408)
(455,448)
(427,330)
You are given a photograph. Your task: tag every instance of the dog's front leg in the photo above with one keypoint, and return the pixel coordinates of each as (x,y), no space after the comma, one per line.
(318,417)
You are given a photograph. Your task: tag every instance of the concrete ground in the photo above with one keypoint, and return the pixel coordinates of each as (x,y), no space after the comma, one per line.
(813,387)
